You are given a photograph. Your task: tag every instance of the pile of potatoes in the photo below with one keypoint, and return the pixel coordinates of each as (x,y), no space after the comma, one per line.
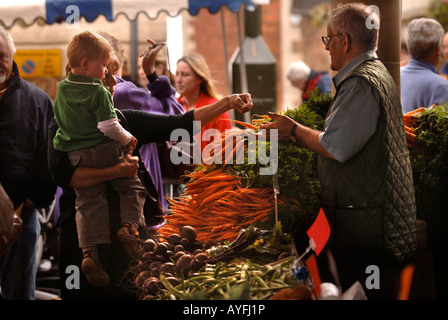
(175,258)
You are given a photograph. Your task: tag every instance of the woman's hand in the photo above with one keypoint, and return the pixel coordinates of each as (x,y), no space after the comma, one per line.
(150,55)
(128,168)
(240,102)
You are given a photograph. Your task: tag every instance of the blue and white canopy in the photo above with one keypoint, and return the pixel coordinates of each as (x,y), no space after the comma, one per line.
(51,11)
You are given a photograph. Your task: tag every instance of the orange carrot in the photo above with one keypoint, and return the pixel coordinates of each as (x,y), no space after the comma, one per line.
(244,124)
(415,111)
(234,151)
(410,129)
(218,195)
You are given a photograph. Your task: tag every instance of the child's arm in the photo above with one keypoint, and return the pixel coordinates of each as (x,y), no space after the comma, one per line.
(112,129)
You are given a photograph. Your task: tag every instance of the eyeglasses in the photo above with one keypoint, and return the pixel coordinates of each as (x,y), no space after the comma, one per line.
(326,40)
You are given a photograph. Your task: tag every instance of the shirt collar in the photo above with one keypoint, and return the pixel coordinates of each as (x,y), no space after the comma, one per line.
(423,64)
(83,79)
(202,100)
(352,64)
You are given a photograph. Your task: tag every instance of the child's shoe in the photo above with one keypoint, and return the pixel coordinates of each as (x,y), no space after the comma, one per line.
(130,238)
(93,271)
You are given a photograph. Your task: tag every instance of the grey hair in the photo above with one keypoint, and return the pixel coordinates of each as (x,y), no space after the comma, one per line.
(423,37)
(9,41)
(298,71)
(352,19)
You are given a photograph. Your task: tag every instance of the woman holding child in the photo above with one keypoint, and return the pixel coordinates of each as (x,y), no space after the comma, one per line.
(145,127)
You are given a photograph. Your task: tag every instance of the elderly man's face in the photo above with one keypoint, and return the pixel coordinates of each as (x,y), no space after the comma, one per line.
(5,63)
(335,48)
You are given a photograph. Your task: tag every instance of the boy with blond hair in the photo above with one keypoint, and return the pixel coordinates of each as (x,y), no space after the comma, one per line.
(90,133)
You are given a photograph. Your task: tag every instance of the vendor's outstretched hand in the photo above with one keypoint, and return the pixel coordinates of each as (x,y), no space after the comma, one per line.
(150,55)
(281,122)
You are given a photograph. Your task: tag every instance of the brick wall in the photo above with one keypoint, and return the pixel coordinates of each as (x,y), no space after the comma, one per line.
(210,44)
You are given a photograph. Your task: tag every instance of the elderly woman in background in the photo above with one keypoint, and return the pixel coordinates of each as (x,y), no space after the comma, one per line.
(306,79)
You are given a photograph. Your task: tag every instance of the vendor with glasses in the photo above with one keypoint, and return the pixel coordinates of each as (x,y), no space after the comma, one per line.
(363,160)
(326,40)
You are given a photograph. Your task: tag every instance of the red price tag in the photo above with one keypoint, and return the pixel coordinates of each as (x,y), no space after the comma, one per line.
(319,232)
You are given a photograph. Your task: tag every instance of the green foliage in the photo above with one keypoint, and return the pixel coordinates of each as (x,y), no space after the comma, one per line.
(313,112)
(429,160)
(320,14)
(439,11)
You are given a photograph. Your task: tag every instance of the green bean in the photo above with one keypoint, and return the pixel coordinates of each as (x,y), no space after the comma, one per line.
(218,269)
(260,281)
(277,273)
(170,288)
(200,278)
(217,286)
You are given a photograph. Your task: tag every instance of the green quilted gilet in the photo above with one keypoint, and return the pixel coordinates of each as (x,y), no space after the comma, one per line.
(369,200)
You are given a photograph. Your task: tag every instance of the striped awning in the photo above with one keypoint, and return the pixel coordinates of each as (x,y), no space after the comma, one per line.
(51,11)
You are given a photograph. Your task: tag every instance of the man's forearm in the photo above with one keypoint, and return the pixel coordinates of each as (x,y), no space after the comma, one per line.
(84,177)
(309,138)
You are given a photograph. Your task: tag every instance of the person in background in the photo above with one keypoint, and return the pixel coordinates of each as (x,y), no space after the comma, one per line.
(444,70)
(195,86)
(404,55)
(367,191)
(25,112)
(421,86)
(306,79)
(142,80)
(162,70)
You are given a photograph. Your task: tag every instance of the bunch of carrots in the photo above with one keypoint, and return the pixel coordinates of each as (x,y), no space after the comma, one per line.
(218,206)
(230,146)
(410,120)
(231,140)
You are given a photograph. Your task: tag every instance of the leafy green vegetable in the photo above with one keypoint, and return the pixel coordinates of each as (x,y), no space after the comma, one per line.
(429,160)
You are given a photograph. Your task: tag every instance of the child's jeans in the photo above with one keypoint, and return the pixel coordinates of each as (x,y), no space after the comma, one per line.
(92,212)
